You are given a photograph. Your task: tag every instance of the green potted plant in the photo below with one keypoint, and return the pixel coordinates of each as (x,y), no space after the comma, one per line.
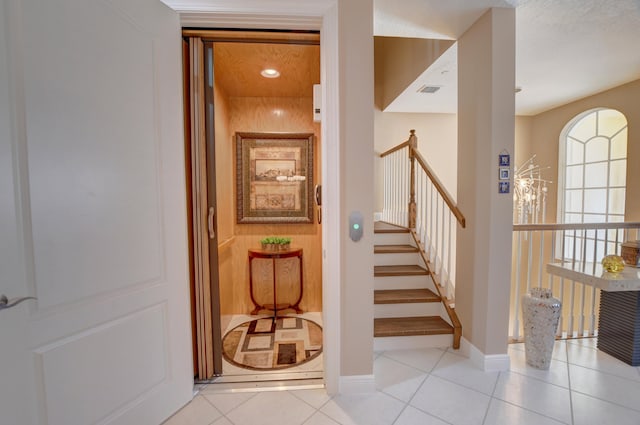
(275,243)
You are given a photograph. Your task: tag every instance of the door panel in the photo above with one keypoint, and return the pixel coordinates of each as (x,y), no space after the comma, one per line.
(108,340)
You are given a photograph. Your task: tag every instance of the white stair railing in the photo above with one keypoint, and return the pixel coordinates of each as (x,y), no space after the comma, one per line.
(396,167)
(415,198)
(535,245)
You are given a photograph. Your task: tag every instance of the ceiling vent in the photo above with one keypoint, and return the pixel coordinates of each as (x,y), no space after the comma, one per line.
(428,89)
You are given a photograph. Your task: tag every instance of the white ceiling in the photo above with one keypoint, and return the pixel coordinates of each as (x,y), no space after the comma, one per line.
(565,49)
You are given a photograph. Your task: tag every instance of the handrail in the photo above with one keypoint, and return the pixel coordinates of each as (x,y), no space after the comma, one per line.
(575,226)
(411,144)
(448,199)
(395,148)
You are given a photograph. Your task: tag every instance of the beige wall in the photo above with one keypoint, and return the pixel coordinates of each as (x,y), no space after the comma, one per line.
(437,142)
(255,114)
(486,77)
(546,128)
(355,29)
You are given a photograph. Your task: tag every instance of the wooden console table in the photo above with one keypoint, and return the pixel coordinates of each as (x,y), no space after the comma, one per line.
(273,256)
(619,322)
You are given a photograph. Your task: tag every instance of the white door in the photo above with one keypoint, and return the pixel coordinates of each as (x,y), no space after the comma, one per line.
(92,213)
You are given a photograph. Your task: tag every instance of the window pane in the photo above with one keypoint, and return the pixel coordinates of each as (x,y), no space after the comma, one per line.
(594,218)
(616,201)
(595,201)
(619,145)
(584,129)
(575,152)
(573,177)
(595,169)
(610,121)
(597,149)
(616,218)
(573,218)
(618,173)
(573,201)
(595,175)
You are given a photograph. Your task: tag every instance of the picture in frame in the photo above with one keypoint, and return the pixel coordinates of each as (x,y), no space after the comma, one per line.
(504,174)
(274,177)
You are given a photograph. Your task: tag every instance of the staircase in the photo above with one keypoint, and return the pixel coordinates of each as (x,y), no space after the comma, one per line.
(408,311)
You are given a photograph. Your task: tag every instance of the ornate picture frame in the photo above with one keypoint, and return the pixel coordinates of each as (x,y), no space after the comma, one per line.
(274,177)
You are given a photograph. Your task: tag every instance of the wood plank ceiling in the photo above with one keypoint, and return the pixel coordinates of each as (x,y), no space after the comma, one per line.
(238,66)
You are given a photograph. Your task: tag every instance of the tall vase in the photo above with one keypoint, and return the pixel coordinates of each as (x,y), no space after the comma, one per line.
(540,313)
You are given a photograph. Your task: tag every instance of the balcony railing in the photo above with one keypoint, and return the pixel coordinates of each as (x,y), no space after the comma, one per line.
(535,245)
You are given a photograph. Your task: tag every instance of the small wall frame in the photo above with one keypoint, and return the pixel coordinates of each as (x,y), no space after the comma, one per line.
(274,177)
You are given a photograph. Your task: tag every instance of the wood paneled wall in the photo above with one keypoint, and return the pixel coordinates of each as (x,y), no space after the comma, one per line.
(261,114)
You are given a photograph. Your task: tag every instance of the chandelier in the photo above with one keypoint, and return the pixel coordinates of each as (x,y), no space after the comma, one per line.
(529,193)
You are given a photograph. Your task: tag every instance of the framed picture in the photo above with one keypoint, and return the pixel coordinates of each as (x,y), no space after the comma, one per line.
(504,160)
(504,174)
(274,177)
(503,187)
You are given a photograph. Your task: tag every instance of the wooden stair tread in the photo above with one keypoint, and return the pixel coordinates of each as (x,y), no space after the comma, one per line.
(400,296)
(383,227)
(408,326)
(402,270)
(394,249)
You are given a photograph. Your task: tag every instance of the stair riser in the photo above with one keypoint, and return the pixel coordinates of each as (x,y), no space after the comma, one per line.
(389,343)
(402,282)
(397,259)
(392,238)
(406,310)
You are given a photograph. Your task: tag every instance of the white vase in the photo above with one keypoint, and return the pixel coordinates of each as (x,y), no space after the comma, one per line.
(540,314)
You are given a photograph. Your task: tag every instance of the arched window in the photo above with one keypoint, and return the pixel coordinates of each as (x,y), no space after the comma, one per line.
(592,174)
(593,168)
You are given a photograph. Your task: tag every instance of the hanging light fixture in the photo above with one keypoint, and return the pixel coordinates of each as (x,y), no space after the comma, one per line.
(529,193)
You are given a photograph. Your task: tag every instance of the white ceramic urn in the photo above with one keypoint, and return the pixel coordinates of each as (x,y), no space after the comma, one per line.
(540,314)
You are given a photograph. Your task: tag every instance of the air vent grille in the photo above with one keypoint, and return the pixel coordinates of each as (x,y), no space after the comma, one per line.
(428,89)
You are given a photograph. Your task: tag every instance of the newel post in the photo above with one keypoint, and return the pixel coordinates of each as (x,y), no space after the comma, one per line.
(413,146)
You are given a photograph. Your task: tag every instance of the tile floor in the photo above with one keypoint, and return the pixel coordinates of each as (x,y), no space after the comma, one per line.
(437,387)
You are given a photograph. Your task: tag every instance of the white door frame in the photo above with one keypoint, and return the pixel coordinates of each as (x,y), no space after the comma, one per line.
(310,15)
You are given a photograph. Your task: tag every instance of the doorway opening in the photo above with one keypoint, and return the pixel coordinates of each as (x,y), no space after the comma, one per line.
(226,96)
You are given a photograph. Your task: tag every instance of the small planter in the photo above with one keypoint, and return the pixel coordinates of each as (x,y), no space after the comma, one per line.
(540,313)
(276,246)
(275,243)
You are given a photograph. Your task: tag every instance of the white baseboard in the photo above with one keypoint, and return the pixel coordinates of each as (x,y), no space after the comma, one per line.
(486,362)
(357,384)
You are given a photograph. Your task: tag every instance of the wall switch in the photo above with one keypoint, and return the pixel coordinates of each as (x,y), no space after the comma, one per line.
(355,225)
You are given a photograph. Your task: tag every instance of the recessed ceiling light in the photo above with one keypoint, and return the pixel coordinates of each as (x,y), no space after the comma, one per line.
(270,73)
